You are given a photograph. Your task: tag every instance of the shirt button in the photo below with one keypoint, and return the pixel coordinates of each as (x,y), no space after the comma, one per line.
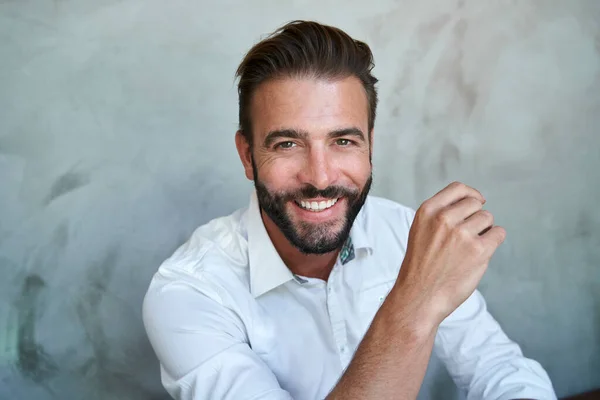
(342,349)
(330,289)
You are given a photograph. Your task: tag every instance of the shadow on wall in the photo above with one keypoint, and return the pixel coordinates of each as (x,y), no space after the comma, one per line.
(76,265)
(95,365)
(32,360)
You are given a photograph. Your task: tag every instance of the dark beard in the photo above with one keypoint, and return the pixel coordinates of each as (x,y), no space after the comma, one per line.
(311,238)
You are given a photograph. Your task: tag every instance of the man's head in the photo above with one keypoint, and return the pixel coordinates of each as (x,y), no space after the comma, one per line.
(307,109)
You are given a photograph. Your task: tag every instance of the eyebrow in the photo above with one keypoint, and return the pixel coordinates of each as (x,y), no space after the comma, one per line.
(302,135)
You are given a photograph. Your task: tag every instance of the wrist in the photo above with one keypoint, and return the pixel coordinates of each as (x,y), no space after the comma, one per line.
(412,316)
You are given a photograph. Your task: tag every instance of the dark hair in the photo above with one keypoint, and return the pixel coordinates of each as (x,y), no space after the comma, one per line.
(304,49)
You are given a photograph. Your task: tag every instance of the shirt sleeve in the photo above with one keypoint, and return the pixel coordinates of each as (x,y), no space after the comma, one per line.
(483,361)
(202,346)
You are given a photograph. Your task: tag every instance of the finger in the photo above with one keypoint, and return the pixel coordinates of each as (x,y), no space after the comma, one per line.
(492,239)
(479,223)
(454,192)
(458,212)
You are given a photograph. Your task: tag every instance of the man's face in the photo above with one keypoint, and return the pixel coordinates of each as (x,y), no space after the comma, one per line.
(311,158)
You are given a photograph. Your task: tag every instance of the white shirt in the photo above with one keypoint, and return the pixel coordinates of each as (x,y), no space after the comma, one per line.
(228,320)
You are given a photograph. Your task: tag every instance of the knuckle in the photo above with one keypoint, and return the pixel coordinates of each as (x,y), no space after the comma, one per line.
(457,185)
(428,208)
(476,248)
(476,203)
(442,218)
(488,216)
(461,234)
(501,234)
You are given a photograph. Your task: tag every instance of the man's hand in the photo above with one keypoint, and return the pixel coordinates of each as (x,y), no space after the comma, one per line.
(450,245)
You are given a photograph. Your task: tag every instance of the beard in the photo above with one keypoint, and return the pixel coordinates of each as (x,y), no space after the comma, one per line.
(311,238)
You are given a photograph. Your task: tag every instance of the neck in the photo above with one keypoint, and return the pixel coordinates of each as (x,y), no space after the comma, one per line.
(308,265)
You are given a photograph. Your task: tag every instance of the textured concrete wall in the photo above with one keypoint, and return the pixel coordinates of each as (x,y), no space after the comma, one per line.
(116,141)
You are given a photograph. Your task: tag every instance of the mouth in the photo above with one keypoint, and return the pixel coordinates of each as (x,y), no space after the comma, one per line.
(316,205)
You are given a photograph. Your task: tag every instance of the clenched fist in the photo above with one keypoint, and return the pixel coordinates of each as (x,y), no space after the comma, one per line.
(450,245)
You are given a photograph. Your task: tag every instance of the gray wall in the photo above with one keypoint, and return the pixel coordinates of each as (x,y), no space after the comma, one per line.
(116,141)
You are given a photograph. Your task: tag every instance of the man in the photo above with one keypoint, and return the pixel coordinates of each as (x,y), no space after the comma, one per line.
(317,289)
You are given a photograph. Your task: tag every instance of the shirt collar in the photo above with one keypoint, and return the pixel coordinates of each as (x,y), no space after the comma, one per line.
(358,233)
(267,269)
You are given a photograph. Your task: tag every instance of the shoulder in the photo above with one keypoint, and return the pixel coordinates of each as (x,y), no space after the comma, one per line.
(213,261)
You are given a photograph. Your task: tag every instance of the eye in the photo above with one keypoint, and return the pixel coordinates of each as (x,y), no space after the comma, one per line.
(343,142)
(285,145)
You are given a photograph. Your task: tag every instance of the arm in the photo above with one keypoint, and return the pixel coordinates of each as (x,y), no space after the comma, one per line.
(450,243)
(483,361)
(202,346)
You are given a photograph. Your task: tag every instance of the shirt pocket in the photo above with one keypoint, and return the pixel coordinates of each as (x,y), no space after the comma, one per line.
(371,298)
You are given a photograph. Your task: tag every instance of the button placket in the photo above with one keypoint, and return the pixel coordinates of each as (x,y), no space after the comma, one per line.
(336,315)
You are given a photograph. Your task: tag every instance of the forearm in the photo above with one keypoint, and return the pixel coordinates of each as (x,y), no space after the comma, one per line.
(392,358)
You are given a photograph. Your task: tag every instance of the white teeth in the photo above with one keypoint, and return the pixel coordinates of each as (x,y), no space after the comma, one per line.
(317,206)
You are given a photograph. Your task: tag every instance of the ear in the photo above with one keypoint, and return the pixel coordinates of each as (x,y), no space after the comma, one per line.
(245,153)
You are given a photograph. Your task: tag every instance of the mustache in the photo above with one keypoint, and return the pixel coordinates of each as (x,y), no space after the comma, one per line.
(309,192)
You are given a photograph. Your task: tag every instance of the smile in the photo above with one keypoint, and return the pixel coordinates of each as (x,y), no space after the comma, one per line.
(317,206)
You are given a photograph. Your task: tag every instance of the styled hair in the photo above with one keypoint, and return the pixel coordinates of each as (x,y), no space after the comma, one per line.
(304,49)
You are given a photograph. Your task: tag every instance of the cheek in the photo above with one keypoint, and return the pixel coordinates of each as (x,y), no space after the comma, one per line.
(278,173)
(357,170)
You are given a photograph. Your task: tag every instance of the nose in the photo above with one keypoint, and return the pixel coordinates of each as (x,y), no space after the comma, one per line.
(319,169)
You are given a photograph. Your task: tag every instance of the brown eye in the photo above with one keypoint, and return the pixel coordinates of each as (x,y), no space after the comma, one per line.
(343,142)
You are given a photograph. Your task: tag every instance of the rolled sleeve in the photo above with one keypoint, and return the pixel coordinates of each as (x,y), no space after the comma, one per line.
(483,361)
(202,345)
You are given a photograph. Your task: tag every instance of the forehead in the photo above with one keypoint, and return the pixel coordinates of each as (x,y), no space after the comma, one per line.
(310,104)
